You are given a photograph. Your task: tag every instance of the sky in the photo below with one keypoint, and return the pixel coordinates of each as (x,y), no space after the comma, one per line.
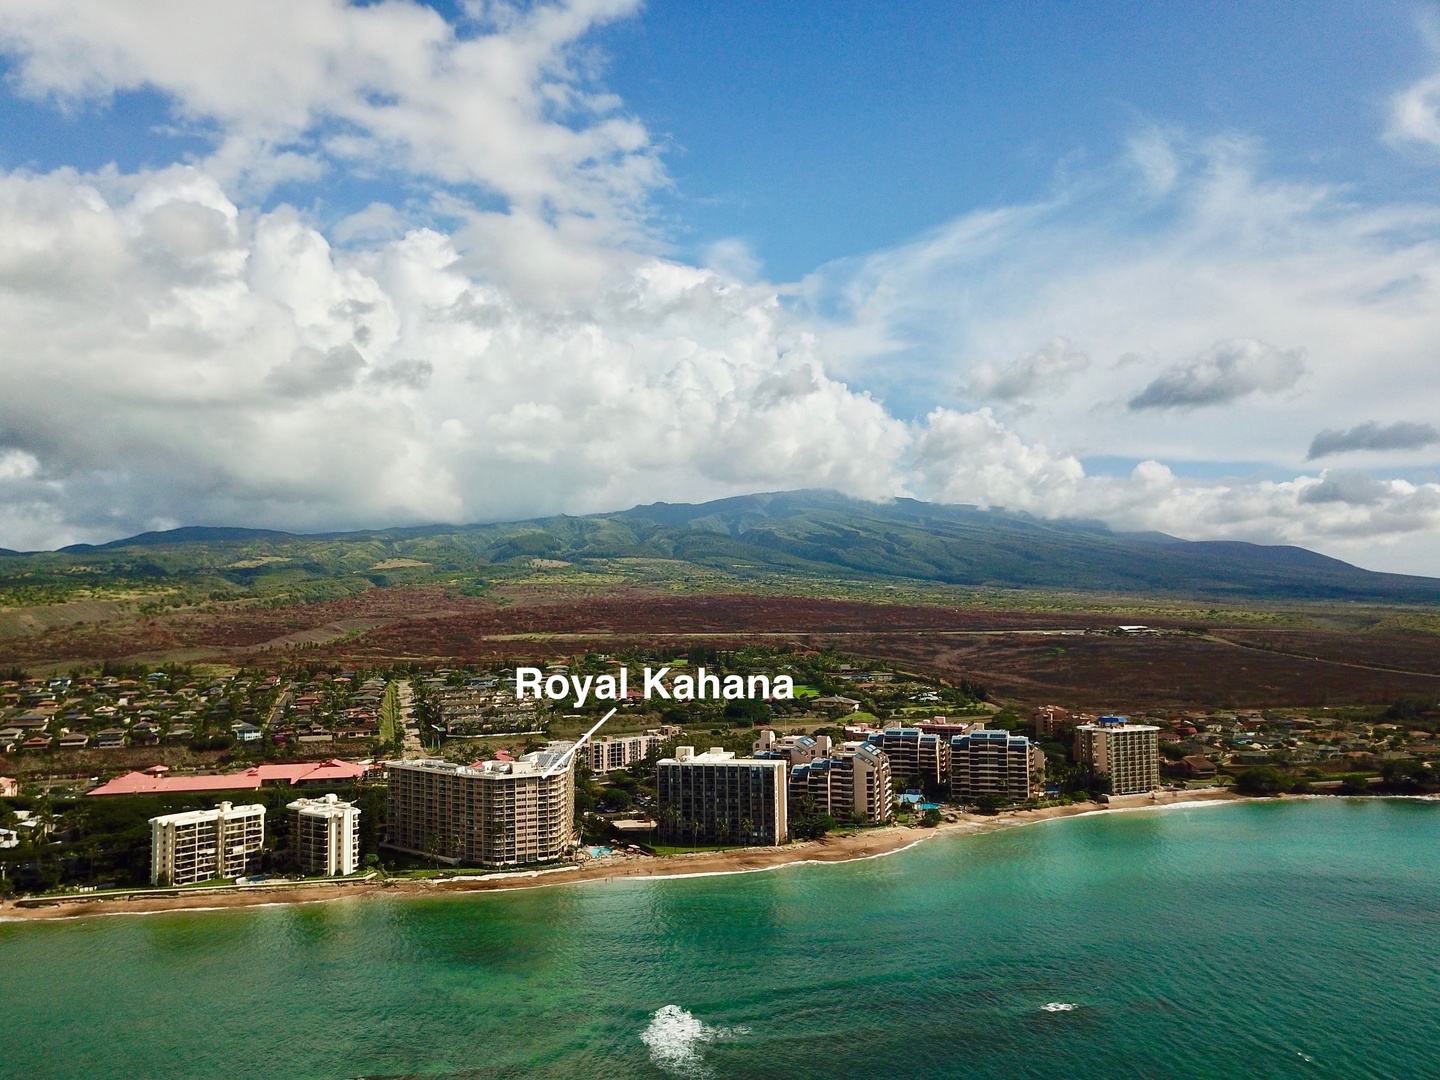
(316,265)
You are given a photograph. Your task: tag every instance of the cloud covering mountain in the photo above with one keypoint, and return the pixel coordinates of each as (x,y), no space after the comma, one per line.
(508,333)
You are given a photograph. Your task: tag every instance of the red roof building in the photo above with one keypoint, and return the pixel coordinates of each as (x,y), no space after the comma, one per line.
(301,773)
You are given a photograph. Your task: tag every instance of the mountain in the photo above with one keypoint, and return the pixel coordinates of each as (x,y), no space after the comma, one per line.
(811,535)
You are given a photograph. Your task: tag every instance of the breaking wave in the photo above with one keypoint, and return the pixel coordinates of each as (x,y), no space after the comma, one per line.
(677,1040)
(1059,1006)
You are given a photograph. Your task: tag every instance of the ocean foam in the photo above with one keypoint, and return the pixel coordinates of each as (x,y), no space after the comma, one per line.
(1059,1006)
(676,1040)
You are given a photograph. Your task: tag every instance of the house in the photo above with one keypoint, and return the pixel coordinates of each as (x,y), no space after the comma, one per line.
(246,732)
(74,741)
(1198,767)
(110,739)
(37,742)
(9,787)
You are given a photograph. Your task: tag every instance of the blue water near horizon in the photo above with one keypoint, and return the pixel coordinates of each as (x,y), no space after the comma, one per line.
(1258,939)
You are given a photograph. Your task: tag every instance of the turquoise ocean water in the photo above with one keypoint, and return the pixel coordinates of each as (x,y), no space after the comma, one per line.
(1294,939)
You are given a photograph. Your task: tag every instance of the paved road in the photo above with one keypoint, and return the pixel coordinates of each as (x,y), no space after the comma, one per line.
(405,697)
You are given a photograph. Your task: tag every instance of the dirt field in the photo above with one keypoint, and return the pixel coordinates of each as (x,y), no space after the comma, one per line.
(1309,658)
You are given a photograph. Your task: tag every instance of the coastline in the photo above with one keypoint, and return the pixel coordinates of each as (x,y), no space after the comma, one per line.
(854,847)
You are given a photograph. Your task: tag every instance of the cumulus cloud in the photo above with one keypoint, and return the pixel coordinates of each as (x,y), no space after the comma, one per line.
(267,376)
(1345,486)
(289,90)
(1371,435)
(1047,370)
(1223,373)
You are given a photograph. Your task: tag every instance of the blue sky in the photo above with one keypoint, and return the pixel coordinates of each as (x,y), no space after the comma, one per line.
(818,131)
(320,265)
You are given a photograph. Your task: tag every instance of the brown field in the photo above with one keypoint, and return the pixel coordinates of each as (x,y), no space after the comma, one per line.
(1301,656)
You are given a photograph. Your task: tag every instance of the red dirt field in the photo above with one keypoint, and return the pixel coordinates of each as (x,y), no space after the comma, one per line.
(1006,651)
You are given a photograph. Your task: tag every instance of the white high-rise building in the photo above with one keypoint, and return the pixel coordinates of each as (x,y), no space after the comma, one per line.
(1126,754)
(325,835)
(201,845)
(492,813)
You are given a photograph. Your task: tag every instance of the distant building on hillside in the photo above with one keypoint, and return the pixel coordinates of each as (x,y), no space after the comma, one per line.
(620,752)
(851,784)
(1126,754)
(995,763)
(325,835)
(717,798)
(200,845)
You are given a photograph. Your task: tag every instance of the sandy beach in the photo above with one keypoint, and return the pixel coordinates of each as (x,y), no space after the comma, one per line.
(869,844)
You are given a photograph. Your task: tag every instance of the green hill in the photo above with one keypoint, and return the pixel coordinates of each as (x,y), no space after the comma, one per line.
(810,535)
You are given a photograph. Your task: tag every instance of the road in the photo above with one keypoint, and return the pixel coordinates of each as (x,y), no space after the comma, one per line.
(405,698)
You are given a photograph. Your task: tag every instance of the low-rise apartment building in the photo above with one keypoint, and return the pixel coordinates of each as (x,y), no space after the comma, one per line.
(492,813)
(325,835)
(200,845)
(1126,754)
(717,798)
(620,751)
(995,763)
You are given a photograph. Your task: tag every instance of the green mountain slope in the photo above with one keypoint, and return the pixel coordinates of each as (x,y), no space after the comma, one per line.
(806,535)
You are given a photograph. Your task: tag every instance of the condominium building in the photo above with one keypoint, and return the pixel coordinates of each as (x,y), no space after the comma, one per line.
(852,784)
(995,763)
(200,845)
(916,757)
(325,835)
(491,813)
(716,798)
(1126,754)
(1054,722)
(620,752)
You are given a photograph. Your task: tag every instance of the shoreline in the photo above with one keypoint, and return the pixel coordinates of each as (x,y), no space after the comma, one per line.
(854,847)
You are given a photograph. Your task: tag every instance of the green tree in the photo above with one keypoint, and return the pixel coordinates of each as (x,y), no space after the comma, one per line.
(1262,780)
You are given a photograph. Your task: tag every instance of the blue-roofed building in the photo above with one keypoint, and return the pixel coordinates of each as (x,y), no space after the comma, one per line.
(852,784)
(917,758)
(995,763)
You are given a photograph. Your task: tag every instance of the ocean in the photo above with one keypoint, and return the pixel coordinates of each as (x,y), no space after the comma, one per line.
(1259,939)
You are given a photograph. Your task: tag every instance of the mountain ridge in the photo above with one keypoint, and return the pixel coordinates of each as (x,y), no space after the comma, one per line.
(809,534)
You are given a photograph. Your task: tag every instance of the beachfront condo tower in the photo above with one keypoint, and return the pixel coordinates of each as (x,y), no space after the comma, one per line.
(492,813)
(918,759)
(995,763)
(852,784)
(201,845)
(1126,754)
(325,835)
(717,798)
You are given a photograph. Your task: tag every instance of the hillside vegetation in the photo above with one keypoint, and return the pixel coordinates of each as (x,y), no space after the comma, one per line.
(815,536)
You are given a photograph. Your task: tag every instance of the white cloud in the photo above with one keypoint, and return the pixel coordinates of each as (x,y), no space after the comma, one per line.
(1046,370)
(1225,372)
(1415,113)
(291,88)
